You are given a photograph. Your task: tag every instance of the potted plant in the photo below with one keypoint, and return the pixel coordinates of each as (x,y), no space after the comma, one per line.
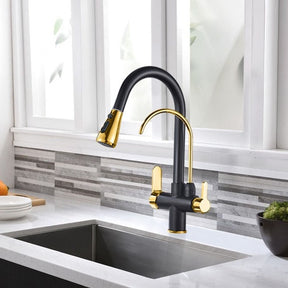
(273,225)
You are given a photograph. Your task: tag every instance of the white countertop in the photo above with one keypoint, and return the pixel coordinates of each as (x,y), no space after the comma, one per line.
(261,269)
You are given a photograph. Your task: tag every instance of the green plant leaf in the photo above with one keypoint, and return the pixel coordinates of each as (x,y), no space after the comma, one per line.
(277,211)
(57,71)
(192,39)
(61,38)
(126,53)
(193,27)
(57,25)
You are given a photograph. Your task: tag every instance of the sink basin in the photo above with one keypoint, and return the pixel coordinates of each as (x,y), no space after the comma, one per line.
(152,256)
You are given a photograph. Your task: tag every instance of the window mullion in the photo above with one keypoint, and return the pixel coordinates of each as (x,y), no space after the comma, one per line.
(178,55)
(102,60)
(159,96)
(27,63)
(263,78)
(18,65)
(282,136)
(84,64)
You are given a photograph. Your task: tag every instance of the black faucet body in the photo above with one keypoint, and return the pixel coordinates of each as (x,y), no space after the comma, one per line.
(179,201)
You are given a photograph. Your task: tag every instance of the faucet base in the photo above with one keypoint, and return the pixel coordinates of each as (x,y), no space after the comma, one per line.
(177,232)
(177,220)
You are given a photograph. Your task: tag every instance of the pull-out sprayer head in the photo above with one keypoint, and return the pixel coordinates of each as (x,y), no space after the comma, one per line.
(108,135)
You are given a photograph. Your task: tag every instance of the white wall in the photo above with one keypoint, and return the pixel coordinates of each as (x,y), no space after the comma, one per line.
(6,99)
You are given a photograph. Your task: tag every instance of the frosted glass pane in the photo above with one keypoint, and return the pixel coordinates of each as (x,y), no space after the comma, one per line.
(216,63)
(129,37)
(51,58)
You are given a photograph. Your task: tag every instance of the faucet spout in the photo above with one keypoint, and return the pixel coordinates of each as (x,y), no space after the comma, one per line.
(109,132)
(190,146)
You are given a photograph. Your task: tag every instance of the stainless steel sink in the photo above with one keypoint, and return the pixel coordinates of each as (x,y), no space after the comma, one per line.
(151,256)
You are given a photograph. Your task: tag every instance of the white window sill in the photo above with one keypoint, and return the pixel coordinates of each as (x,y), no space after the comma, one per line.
(262,163)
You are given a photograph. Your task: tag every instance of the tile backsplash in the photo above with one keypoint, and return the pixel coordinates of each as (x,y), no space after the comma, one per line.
(235,199)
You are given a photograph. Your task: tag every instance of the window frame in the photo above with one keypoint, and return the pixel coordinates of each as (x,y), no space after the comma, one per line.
(282,118)
(260,75)
(248,156)
(85,120)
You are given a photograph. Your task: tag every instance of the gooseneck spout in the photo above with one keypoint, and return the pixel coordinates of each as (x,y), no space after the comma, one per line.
(108,135)
(182,198)
(181,117)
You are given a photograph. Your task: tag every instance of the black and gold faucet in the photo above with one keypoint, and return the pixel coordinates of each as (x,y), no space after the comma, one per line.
(183,196)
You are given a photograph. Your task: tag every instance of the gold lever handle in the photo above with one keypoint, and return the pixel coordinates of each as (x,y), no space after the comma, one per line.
(202,205)
(156,186)
(157,180)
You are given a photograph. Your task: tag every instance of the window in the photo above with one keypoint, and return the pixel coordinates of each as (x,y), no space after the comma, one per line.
(51,58)
(129,35)
(48,59)
(224,54)
(56,40)
(60,48)
(216,64)
(211,67)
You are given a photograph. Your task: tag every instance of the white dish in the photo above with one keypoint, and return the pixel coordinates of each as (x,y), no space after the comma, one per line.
(14,214)
(18,207)
(9,210)
(14,202)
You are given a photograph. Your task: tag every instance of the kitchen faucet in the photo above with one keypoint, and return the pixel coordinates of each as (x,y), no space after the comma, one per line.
(183,197)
